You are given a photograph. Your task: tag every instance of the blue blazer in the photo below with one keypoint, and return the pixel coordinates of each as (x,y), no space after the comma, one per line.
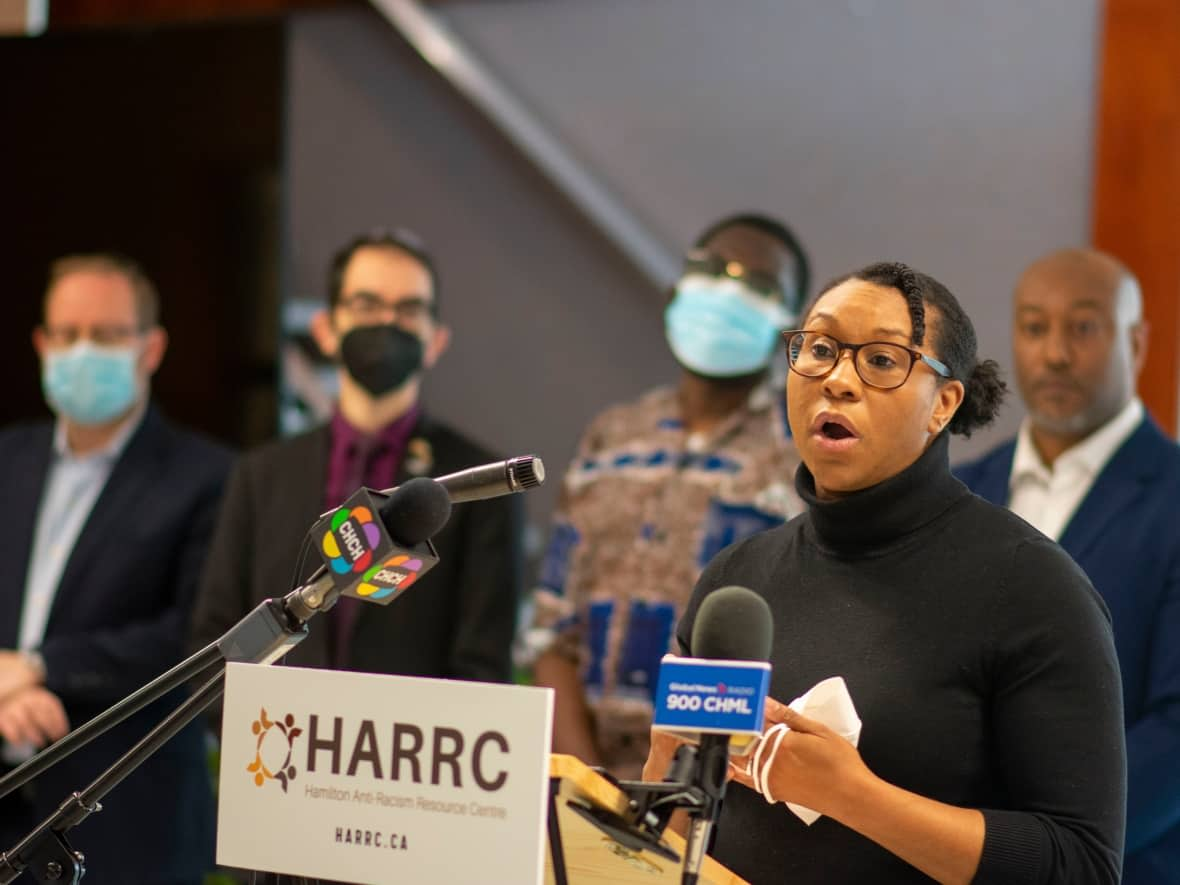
(1126,537)
(118,620)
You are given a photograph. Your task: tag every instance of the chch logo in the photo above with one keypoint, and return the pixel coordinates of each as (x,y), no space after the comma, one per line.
(351,539)
(275,740)
(396,573)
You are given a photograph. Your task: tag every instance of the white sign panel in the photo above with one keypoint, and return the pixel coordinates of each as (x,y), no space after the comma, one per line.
(382,779)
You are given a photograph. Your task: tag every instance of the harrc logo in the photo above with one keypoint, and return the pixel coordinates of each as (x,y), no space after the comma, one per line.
(276,741)
(415,753)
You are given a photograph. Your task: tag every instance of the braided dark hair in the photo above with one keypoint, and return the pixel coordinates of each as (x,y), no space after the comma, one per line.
(954,344)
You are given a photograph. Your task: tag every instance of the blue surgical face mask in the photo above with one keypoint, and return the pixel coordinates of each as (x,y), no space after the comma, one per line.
(90,384)
(720,329)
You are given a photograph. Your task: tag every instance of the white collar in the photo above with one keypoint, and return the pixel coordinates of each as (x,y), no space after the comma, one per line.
(112,449)
(1088,456)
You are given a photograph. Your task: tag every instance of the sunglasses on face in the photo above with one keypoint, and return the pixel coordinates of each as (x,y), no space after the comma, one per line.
(765,284)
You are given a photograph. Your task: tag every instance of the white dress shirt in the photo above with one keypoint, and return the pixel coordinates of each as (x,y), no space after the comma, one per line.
(1048,497)
(72,486)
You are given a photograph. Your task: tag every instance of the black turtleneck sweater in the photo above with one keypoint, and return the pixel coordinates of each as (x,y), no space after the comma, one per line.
(980,661)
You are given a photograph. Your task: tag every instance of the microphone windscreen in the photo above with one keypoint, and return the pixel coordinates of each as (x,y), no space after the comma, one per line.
(527,471)
(733,624)
(417,510)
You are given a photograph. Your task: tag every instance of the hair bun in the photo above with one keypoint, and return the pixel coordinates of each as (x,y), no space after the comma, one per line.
(983,395)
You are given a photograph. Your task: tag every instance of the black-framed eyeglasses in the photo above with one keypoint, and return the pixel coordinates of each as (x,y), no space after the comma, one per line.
(703,262)
(368,306)
(881,364)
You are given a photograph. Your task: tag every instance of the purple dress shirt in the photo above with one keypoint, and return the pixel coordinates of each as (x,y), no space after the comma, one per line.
(360,459)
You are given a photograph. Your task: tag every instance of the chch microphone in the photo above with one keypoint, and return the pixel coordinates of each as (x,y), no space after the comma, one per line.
(716,699)
(374,547)
(493,480)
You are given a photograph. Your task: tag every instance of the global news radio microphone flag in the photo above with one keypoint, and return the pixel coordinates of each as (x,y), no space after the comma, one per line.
(698,696)
(722,692)
(717,701)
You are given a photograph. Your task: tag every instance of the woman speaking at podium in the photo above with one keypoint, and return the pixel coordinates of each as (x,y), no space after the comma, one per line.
(978,656)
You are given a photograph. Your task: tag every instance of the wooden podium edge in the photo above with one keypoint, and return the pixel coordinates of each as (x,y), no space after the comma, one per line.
(572,778)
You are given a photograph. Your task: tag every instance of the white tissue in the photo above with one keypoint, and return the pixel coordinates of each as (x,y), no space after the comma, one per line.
(827,702)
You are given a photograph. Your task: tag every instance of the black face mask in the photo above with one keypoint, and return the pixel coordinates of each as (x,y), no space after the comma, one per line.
(381,358)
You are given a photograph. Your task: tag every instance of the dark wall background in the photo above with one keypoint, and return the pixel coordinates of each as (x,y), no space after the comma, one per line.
(164,144)
(953,136)
(234,159)
(551,323)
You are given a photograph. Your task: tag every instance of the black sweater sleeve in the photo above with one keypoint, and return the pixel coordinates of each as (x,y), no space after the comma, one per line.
(1057,728)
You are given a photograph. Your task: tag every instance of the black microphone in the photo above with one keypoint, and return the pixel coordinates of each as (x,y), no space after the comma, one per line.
(415,511)
(374,547)
(732,624)
(493,480)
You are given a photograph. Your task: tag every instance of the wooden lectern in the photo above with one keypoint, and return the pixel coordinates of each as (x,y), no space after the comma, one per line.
(579,853)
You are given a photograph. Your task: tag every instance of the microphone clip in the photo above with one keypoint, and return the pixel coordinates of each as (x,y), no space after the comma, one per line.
(695,783)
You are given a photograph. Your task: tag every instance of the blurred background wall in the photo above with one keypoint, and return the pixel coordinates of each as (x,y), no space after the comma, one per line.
(944,135)
(165,144)
(233,149)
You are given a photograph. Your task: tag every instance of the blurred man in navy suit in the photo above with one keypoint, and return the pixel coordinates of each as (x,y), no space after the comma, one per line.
(1093,471)
(107,513)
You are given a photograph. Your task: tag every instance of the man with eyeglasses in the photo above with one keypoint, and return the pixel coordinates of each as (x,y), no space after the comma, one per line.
(1092,470)
(382,326)
(662,484)
(107,514)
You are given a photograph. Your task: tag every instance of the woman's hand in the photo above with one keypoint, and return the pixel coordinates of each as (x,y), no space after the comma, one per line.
(772,714)
(814,766)
(817,768)
(659,757)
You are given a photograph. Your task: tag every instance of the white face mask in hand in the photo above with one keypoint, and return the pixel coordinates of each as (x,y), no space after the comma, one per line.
(829,703)
(761,769)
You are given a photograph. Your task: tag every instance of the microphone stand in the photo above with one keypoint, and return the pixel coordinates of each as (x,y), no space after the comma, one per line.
(695,782)
(711,770)
(262,637)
